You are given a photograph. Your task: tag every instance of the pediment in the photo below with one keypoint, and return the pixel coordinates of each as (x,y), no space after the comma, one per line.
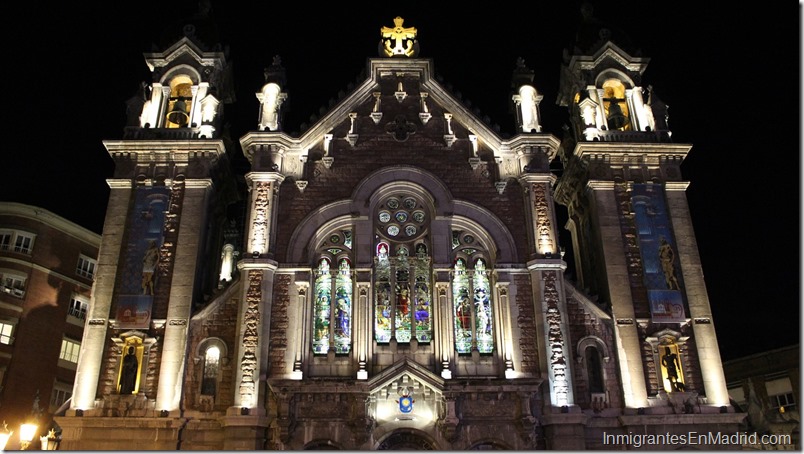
(412,103)
(184,47)
(406,372)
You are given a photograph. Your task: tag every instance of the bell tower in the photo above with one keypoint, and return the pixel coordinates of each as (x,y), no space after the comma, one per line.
(169,186)
(632,234)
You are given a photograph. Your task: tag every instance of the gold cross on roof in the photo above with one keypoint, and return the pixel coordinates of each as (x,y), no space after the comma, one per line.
(394,38)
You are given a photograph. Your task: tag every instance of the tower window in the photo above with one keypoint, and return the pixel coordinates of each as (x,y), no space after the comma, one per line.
(78,308)
(5,333)
(179,105)
(615,106)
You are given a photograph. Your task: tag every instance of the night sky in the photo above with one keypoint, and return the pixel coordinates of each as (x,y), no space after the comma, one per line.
(731,78)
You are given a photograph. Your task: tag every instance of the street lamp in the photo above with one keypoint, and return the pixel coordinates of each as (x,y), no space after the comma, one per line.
(50,442)
(27,432)
(5,434)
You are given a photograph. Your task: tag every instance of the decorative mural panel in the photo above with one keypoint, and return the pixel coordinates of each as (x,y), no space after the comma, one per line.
(322,308)
(658,251)
(343,308)
(382,313)
(139,275)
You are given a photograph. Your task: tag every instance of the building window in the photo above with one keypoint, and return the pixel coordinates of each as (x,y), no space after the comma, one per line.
(786,401)
(13,284)
(5,333)
(17,241)
(86,267)
(615,106)
(78,308)
(402,299)
(332,316)
(179,104)
(69,351)
(472,308)
(212,360)
(61,392)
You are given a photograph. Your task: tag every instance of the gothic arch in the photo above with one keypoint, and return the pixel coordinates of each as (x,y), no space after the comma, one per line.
(410,179)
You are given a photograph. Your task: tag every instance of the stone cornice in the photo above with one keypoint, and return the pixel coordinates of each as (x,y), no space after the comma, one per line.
(179,151)
(631,153)
(50,219)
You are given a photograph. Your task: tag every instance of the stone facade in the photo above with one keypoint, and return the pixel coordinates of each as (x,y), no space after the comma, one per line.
(400,282)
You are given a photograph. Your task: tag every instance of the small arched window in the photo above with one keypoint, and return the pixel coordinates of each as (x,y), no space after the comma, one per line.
(594,370)
(212,362)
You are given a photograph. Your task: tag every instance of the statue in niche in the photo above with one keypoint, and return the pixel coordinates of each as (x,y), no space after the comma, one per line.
(667,258)
(149,267)
(128,374)
(672,365)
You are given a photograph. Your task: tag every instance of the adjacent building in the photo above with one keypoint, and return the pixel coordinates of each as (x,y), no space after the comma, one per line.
(47,267)
(391,277)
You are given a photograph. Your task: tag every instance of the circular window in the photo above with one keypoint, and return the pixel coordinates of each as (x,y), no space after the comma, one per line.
(385,216)
(418,216)
(410,230)
(410,203)
(468,239)
(392,203)
(334,239)
(393,230)
(401,216)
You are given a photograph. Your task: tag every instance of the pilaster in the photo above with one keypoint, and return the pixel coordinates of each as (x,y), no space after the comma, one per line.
(187,252)
(94,339)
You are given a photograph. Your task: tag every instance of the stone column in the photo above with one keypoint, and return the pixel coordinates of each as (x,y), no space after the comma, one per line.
(189,244)
(617,281)
(701,313)
(91,356)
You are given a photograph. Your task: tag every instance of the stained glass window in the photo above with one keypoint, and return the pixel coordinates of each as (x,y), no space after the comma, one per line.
(382,297)
(463,308)
(423,309)
(474,322)
(402,309)
(483,315)
(343,307)
(322,308)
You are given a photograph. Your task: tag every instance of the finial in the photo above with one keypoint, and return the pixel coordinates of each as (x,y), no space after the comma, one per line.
(398,41)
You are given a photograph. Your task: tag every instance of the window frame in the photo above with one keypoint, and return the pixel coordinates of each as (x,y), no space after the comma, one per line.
(15,237)
(89,263)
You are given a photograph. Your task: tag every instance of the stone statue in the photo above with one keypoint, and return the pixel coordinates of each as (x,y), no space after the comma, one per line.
(672,365)
(128,375)
(149,267)
(667,258)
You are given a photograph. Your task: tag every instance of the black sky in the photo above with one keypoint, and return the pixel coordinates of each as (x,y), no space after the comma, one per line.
(730,75)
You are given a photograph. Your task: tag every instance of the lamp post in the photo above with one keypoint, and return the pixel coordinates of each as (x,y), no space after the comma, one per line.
(5,434)
(50,442)
(27,432)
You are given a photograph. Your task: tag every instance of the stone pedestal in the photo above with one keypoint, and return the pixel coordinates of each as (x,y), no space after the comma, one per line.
(565,432)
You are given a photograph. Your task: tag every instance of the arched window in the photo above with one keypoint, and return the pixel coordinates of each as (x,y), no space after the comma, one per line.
(615,105)
(474,320)
(594,370)
(333,296)
(402,271)
(179,102)
(209,380)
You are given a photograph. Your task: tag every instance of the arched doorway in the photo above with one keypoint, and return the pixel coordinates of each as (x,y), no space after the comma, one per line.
(407,440)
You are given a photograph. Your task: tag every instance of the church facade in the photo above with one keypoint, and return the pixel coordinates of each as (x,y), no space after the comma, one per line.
(395,278)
